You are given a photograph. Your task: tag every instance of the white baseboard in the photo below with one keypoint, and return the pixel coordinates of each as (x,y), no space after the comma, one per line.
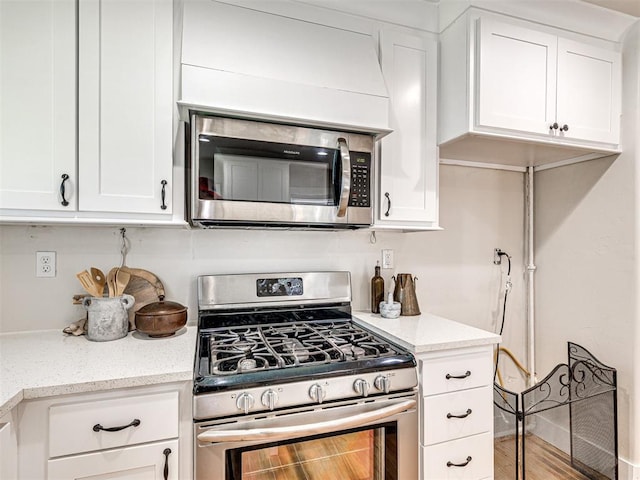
(559,437)
(628,471)
(553,433)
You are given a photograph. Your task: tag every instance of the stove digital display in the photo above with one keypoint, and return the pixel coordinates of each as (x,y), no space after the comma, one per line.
(279,287)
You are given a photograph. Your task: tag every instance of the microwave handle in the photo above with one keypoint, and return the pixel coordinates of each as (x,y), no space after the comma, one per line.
(306,429)
(345,177)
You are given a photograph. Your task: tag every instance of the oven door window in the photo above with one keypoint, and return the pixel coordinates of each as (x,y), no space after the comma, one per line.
(255,171)
(363,454)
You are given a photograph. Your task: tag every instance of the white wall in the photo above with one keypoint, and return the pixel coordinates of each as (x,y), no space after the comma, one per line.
(587,257)
(480,209)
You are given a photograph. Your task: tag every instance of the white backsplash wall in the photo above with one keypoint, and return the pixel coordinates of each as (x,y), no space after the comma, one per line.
(480,209)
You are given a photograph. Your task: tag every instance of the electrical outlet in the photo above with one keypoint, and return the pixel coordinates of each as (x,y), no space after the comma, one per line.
(497,259)
(387,258)
(45,264)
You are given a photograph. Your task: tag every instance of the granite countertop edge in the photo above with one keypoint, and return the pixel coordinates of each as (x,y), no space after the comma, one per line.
(81,366)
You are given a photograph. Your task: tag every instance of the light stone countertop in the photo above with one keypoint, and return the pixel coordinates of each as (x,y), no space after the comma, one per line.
(46,363)
(426,332)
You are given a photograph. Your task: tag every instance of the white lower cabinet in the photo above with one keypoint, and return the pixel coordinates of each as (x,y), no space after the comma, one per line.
(8,450)
(456,414)
(133,434)
(142,462)
(461,459)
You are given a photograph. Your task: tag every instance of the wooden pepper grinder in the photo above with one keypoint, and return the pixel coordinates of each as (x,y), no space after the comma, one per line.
(377,290)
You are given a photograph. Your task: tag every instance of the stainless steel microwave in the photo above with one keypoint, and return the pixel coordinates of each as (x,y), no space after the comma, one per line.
(247,173)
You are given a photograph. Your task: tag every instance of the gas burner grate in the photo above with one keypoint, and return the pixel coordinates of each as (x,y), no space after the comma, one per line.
(245,349)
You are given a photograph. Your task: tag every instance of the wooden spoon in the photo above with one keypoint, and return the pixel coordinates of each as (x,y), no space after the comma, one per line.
(98,279)
(122,280)
(88,284)
(111,281)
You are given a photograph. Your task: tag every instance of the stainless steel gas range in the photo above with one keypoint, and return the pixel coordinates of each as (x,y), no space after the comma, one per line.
(287,386)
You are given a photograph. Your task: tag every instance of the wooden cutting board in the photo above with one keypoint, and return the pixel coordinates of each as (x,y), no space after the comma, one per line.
(145,287)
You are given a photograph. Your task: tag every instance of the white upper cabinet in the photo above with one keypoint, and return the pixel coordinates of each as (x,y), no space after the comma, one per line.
(589,92)
(86,110)
(125,105)
(520,94)
(407,194)
(37,104)
(516,77)
(530,81)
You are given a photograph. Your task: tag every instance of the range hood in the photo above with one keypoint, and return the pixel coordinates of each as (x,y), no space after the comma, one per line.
(247,63)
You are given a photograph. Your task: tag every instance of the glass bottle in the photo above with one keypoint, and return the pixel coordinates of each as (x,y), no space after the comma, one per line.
(377,290)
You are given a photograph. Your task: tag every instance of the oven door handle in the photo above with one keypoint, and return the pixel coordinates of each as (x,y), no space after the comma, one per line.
(345,177)
(294,431)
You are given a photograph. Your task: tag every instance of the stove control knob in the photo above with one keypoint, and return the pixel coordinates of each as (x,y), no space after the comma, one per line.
(361,386)
(317,393)
(382,383)
(245,402)
(269,399)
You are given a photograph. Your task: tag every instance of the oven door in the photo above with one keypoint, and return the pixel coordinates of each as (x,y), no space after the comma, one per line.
(371,439)
(254,172)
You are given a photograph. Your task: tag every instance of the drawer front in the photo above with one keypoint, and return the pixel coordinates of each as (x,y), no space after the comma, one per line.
(469,458)
(456,372)
(72,427)
(456,415)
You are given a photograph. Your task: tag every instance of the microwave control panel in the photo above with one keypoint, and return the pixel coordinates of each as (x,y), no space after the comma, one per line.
(360,179)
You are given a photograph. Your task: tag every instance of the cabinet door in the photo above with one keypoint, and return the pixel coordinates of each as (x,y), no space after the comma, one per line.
(589,96)
(37,104)
(516,77)
(8,452)
(144,462)
(125,105)
(409,157)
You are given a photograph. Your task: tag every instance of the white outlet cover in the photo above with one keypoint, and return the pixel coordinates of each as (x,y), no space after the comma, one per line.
(46,264)
(387,258)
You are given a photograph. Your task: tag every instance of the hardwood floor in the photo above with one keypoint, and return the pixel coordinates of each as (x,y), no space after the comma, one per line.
(543,461)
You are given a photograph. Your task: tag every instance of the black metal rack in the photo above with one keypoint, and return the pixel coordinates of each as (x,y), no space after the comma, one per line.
(589,389)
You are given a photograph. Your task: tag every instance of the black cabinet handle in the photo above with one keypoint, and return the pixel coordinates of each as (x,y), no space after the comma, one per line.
(554,126)
(166,453)
(97,427)
(466,374)
(564,128)
(462,415)
(64,201)
(386,214)
(464,464)
(163,193)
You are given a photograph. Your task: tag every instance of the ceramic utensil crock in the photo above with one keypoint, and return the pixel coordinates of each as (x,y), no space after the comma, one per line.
(107,317)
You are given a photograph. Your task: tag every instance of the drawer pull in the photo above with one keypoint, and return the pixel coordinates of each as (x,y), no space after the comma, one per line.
(463,415)
(166,453)
(466,374)
(464,464)
(97,427)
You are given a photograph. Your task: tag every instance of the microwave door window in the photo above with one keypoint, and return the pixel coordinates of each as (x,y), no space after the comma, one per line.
(245,170)
(311,184)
